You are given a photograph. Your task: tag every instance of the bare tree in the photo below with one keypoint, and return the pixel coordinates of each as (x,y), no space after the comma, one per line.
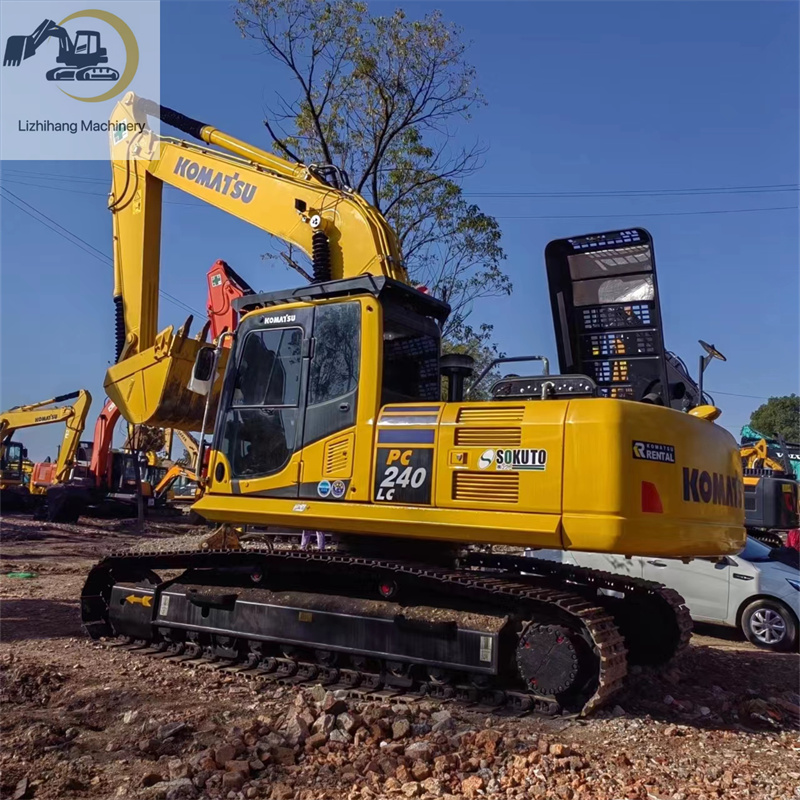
(382,97)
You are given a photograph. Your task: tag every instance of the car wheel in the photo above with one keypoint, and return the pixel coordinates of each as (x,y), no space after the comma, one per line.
(769,624)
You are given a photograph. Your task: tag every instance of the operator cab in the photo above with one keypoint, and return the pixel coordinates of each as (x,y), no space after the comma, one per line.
(11,463)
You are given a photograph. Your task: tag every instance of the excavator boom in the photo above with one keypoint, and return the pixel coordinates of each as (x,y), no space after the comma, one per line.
(341,233)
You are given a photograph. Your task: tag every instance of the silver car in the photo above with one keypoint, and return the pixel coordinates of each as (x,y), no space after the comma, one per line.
(753,591)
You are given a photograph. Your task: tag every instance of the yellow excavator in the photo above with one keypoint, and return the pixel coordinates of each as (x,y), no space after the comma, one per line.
(46,412)
(770,493)
(180,480)
(327,414)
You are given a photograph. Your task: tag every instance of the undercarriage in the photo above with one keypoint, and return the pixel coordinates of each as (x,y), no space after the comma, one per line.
(500,630)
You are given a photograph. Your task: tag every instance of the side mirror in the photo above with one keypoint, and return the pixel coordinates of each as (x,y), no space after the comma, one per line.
(203,371)
(24,452)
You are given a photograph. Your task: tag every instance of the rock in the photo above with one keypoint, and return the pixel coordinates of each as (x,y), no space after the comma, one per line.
(282,791)
(671,730)
(316,740)
(272,740)
(420,770)
(182,789)
(256,764)
(129,717)
(238,766)
(149,746)
(373,766)
(472,785)
(348,722)
(440,716)
(224,754)
(444,764)
(318,692)
(283,756)
(333,705)
(201,778)
(400,728)
(21,789)
(179,769)
(340,736)
(488,739)
(297,729)
(170,729)
(704,711)
(324,724)
(150,779)
(380,729)
(420,729)
(388,766)
(559,750)
(444,725)
(432,786)
(233,781)
(419,751)
(668,700)
(410,789)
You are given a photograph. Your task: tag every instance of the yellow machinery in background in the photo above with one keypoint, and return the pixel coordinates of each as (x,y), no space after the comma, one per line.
(771,493)
(180,483)
(327,414)
(46,412)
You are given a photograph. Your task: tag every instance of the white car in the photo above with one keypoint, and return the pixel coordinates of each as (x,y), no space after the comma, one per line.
(752,590)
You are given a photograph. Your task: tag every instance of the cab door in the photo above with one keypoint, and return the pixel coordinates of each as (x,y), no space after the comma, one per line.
(262,427)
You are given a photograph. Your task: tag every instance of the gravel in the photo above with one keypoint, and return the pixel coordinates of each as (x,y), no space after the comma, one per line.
(82,722)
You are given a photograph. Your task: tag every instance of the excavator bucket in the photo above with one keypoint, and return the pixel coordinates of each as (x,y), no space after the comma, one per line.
(152,387)
(18,48)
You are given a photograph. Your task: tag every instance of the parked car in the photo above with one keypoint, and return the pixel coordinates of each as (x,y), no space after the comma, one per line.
(757,591)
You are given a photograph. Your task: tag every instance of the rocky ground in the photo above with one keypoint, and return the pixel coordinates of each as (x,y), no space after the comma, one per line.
(83,721)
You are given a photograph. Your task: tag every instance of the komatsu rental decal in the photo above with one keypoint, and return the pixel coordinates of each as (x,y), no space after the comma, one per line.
(711,487)
(229,185)
(523,459)
(651,451)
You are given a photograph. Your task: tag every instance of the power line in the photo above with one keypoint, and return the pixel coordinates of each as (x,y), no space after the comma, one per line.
(631,214)
(50,219)
(52,228)
(502,216)
(76,240)
(766,188)
(733,394)
(94,194)
(687,191)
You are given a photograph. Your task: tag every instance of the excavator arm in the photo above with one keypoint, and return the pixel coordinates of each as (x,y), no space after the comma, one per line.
(18,48)
(306,206)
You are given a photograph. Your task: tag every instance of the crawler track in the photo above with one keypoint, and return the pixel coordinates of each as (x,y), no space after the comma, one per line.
(560,649)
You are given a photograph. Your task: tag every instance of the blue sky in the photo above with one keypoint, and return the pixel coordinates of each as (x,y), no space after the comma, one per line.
(581,97)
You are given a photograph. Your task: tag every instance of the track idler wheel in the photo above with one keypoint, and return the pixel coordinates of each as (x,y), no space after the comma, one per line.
(555,661)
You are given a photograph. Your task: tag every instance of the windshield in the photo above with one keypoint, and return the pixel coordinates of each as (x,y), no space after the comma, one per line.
(755,551)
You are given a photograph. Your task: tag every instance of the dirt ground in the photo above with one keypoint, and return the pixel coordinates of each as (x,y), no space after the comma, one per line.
(80,720)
